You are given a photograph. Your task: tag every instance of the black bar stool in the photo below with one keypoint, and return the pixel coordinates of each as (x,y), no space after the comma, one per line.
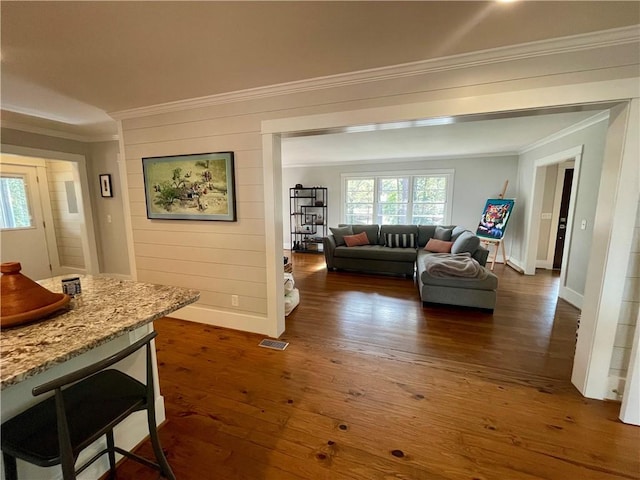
(56,430)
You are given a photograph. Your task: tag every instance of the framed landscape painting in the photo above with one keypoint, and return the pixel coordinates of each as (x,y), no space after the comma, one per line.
(190,187)
(495,216)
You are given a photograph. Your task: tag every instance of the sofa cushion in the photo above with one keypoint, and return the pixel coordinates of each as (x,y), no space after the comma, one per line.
(370,230)
(490,282)
(443,233)
(384,229)
(456,232)
(466,242)
(356,240)
(400,240)
(486,281)
(438,246)
(425,233)
(377,252)
(340,232)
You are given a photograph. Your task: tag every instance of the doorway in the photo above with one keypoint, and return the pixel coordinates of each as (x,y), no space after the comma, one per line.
(561,231)
(24,228)
(70,194)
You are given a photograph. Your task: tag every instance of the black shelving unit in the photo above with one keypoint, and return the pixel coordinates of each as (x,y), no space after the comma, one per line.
(308,219)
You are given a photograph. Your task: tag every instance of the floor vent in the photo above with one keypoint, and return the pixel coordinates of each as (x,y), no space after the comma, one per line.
(275,344)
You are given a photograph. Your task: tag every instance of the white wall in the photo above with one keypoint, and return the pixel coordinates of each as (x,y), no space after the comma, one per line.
(469,193)
(593,139)
(108,211)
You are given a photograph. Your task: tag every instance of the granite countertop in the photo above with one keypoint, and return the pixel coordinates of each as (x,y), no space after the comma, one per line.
(107,308)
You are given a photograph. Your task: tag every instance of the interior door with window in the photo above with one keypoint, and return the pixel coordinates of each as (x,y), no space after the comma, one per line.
(23,238)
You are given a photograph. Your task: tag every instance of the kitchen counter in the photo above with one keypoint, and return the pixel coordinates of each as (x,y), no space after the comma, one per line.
(107,308)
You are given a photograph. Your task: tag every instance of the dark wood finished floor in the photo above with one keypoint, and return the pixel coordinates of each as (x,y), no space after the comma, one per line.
(375,386)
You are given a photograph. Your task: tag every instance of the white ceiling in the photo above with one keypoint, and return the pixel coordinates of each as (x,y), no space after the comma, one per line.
(67,65)
(501,136)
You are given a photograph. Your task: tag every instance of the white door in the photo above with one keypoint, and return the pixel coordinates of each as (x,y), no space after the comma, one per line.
(23,238)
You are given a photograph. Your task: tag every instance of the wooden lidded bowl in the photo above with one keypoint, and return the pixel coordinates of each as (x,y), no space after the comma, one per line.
(24,300)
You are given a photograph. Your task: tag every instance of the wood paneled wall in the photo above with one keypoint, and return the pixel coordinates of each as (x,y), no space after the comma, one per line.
(627,323)
(67,224)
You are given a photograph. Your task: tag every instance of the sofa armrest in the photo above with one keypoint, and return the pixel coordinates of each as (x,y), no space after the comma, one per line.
(329,247)
(481,255)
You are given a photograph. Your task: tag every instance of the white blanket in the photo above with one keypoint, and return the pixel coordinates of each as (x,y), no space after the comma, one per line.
(453,265)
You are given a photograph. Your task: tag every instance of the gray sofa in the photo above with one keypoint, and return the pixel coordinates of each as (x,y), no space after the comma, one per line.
(379,257)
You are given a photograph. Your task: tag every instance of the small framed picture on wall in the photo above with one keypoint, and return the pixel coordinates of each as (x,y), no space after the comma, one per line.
(105,185)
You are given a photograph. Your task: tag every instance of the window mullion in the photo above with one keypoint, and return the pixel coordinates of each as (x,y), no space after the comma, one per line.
(376,192)
(410,203)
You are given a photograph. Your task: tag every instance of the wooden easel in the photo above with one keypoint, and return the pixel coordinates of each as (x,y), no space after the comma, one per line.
(497,242)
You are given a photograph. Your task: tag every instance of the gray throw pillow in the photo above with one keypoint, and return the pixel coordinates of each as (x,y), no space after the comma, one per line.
(340,232)
(467,242)
(443,234)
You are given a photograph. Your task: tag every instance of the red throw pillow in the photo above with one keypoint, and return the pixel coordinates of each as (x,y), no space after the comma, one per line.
(438,246)
(357,240)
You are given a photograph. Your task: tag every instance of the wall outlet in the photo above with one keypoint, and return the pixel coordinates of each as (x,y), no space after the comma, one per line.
(583,225)
(234,300)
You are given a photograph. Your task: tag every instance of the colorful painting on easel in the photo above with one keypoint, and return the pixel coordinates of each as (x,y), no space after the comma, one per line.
(495,217)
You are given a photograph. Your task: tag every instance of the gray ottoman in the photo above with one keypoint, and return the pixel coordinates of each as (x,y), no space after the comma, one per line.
(467,292)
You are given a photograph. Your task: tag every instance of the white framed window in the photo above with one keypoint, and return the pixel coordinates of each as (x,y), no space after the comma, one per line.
(15,211)
(422,198)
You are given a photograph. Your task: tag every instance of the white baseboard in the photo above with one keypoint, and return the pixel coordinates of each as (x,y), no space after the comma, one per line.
(571,296)
(221,318)
(64,270)
(544,264)
(516,265)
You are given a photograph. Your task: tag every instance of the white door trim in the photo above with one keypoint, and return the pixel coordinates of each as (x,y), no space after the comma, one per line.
(555,215)
(273,219)
(87,230)
(535,211)
(618,195)
(535,208)
(619,90)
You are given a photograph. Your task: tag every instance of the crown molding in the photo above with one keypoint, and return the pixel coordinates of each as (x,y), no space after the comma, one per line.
(102,138)
(587,41)
(599,117)
(50,132)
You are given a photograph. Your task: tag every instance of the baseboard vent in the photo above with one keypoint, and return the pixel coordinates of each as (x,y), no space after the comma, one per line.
(275,344)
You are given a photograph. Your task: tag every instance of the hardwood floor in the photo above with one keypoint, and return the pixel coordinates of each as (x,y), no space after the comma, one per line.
(375,386)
